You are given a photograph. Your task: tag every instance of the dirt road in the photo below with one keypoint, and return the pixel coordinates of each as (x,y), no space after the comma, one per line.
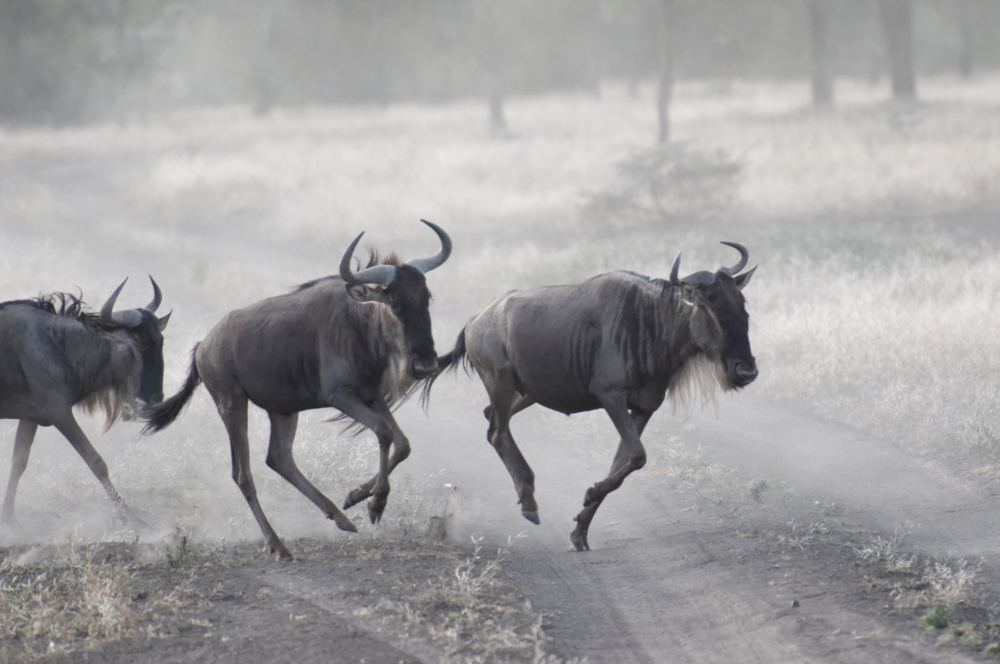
(668,581)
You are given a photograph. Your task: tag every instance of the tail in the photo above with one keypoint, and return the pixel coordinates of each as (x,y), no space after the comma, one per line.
(449,362)
(162,415)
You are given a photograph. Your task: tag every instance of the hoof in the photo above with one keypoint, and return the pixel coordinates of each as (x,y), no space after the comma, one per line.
(348,526)
(374,516)
(11,525)
(352,501)
(280,553)
(129,517)
(580,543)
(532,517)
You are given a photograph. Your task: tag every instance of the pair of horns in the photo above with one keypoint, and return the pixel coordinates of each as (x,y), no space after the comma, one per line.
(131,317)
(706,278)
(384,275)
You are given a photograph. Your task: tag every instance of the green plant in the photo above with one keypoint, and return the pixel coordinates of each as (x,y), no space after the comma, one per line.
(936,618)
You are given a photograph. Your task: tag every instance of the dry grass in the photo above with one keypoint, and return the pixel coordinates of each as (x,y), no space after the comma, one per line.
(475,616)
(722,491)
(902,346)
(941,583)
(80,602)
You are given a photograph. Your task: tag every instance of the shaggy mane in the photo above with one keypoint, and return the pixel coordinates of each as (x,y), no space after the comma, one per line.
(699,376)
(110,403)
(67,305)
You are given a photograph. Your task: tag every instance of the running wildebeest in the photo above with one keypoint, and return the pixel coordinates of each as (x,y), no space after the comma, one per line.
(55,355)
(619,341)
(357,342)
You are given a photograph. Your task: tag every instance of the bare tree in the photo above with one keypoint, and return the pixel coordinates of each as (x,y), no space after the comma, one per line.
(897,21)
(822,67)
(965,25)
(666,87)
(262,56)
(490,54)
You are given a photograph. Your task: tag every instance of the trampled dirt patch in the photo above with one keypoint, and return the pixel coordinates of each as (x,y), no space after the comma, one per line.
(370,601)
(683,584)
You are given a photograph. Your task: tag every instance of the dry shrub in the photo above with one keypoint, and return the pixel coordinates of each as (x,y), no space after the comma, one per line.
(474,615)
(940,585)
(80,603)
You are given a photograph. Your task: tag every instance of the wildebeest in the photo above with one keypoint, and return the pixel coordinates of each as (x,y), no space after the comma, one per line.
(54,355)
(356,342)
(619,341)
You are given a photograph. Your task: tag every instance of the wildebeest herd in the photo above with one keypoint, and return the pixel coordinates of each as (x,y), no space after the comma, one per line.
(361,342)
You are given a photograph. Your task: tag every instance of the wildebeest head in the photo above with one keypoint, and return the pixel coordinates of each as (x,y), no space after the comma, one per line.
(718,317)
(146,331)
(404,289)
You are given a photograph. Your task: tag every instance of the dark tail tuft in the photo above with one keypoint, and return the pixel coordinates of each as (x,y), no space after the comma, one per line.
(449,362)
(160,416)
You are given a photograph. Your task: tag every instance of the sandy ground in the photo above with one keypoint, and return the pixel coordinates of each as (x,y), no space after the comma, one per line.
(698,567)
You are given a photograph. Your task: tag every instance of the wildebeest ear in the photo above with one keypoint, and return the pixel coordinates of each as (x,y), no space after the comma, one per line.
(363,293)
(163,321)
(743,279)
(690,294)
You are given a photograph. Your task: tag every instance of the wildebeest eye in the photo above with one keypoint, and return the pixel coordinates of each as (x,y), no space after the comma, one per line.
(713,298)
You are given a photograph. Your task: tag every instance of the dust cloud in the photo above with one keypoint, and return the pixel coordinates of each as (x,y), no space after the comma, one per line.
(233,154)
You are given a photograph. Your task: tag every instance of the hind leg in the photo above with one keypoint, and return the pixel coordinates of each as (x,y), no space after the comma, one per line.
(630,456)
(22,448)
(281,460)
(524,401)
(233,412)
(504,402)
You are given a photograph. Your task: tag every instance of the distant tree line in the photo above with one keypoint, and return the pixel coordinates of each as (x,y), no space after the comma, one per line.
(81,60)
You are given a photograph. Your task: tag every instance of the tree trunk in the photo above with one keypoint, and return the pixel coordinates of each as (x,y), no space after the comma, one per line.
(14,100)
(822,69)
(487,18)
(262,56)
(498,122)
(666,87)
(897,20)
(965,22)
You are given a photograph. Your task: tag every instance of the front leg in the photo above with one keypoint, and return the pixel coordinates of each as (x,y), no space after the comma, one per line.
(68,427)
(281,459)
(22,448)
(400,451)
(630,456)
(377,417)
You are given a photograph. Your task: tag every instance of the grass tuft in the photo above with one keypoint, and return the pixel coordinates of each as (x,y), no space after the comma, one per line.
(937,618)
(56,607)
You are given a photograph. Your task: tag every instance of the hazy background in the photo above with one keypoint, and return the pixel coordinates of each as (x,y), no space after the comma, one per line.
(66,61)
(233,149)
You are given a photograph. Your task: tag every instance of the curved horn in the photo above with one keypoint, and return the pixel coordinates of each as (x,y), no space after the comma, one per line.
(425,265)
(129,318)
(157,297)
(744,257)
(674,279)
(378,274)
(109,306)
